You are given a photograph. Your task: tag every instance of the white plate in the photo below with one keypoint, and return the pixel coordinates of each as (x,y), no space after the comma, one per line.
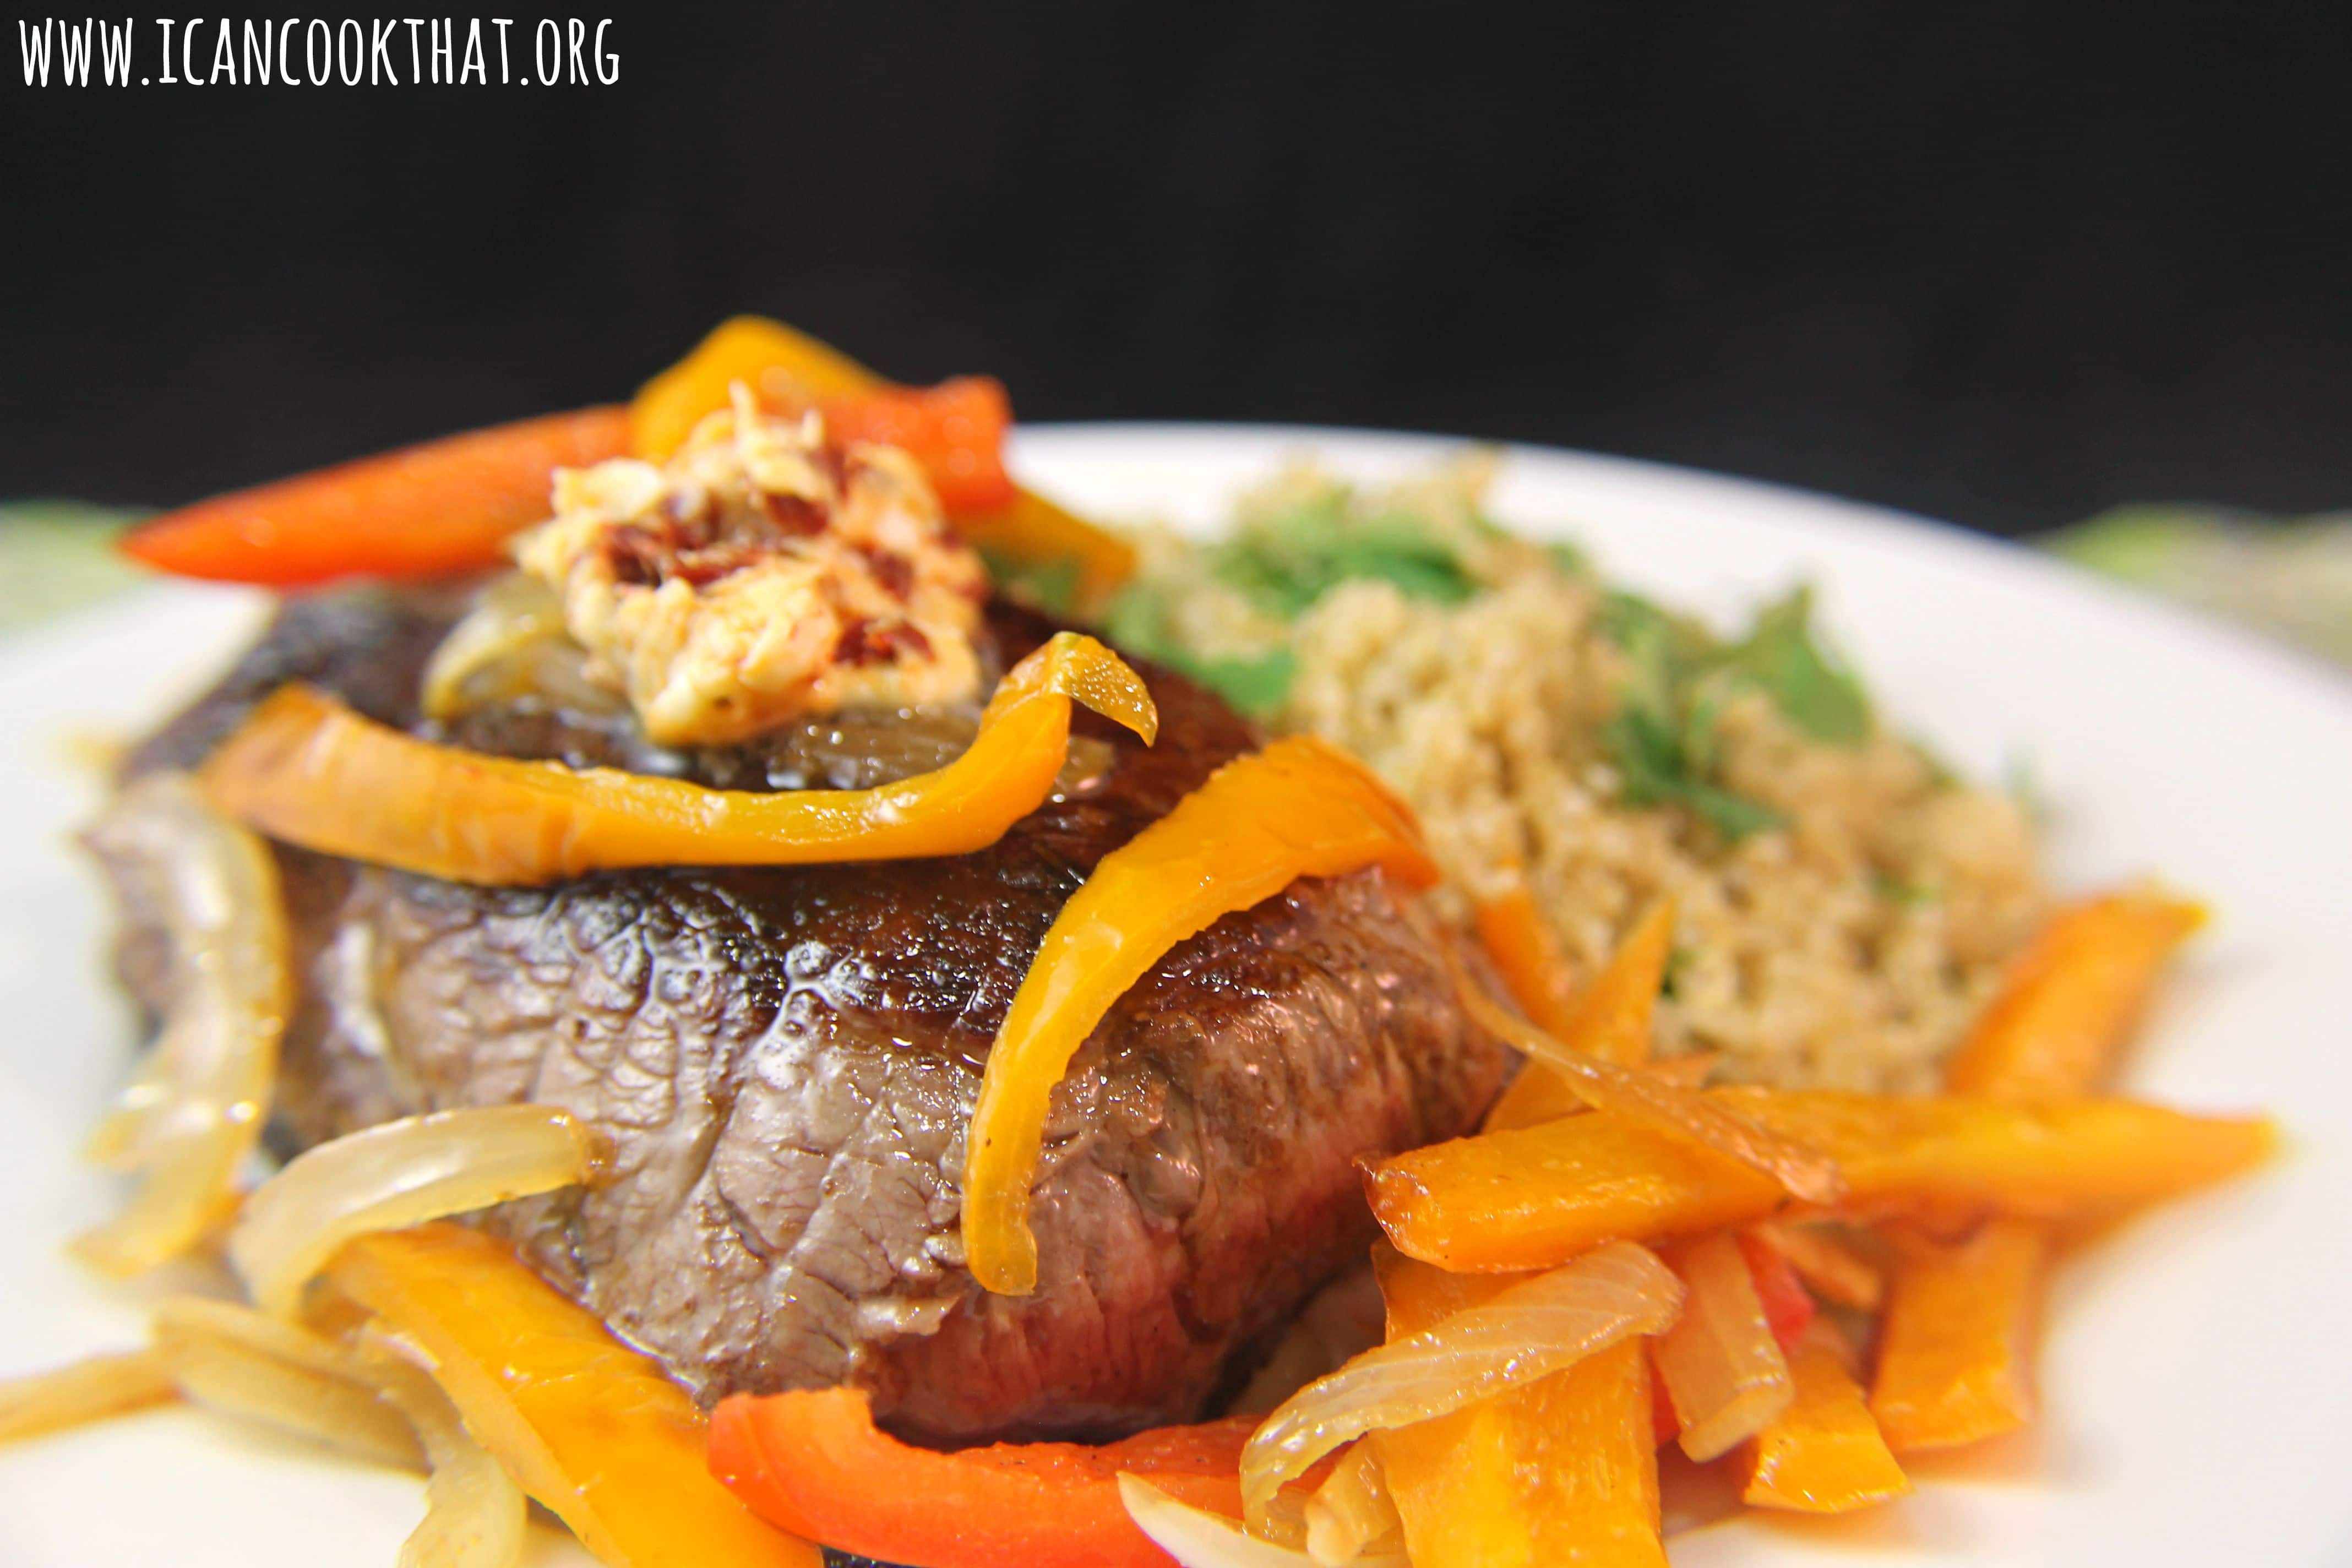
(2198,1367)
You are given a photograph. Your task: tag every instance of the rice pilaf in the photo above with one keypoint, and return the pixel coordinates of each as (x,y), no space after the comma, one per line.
(1845,903)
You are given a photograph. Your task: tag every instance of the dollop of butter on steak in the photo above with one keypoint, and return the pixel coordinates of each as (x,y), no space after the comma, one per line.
(785,1061)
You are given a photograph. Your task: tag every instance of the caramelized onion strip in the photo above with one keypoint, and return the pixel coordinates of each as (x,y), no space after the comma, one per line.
(1352,1514)
(233,1358)
(193,1110)
(1196,1537)
(1650,1102)
(397,1174)
(80,1391)
(475,1515)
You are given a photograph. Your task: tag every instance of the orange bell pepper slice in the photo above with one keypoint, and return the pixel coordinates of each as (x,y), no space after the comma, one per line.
(589,1427)
(1527,952)
(1561,1470)
(1955,1345)
(1956,1352)
(1643,1097)
(2071,998)
(789,370)
(444,505)
(813,1463)
(1610,1020)
(1824,1453)
(1536,1196)
(1534,1098)
(1299,808)
(307,769)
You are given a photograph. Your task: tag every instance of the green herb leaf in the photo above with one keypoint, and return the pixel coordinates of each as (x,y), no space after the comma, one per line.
(1896,890)
(1663,739)
(1049,585)
(1651,756)
(1285,563)
(1782,656)
(1255,686)
(1136,623)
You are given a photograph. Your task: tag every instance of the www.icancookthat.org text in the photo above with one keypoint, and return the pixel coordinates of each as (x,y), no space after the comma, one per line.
(295,51)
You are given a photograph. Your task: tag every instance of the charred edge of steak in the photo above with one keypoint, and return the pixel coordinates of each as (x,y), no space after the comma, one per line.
(784,1060)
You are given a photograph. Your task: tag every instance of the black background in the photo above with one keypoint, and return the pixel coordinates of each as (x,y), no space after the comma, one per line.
(2003,263)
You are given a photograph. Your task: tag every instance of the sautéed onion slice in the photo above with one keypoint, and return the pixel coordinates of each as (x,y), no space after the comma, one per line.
(397,1174)
(193,1111)
(1649,1101)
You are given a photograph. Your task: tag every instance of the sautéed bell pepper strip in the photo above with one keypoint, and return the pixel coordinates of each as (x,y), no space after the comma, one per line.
(1526,952)
(788,370)
(589,1427)
(1536,1196)
(1610,1020)
(1298,808)
(2071,998)
(954,431)
(307,769)
(1956,1358)
(444,505)
(1787,1306)
(1562,1469)
(813,1463)
(1823,1454)
(783,368)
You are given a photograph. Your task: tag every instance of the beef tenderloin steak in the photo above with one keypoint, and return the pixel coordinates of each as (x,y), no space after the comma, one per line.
(784,1060)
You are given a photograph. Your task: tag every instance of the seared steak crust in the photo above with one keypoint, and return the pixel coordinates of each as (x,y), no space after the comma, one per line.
(784,1060)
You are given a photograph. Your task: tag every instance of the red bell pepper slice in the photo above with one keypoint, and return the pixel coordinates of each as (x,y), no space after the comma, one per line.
(444,505)
(812,1462)
(1787,1305)
(955,431)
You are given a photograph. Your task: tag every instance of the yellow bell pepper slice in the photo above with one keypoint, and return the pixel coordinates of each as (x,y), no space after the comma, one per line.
(1298,808)
(587,1425)
(1824,1453)
(1610,1020)
(1561,1470)
(788,369)
(1956,1361)
(1536,1196)
(305,769)
(783,368)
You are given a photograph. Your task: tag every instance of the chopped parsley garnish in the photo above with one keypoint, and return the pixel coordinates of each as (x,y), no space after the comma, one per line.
(1281,563)
(1137,622)
(1657,763)
(1780,656)
(1049,585)
(1285,563)
(1663,738)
